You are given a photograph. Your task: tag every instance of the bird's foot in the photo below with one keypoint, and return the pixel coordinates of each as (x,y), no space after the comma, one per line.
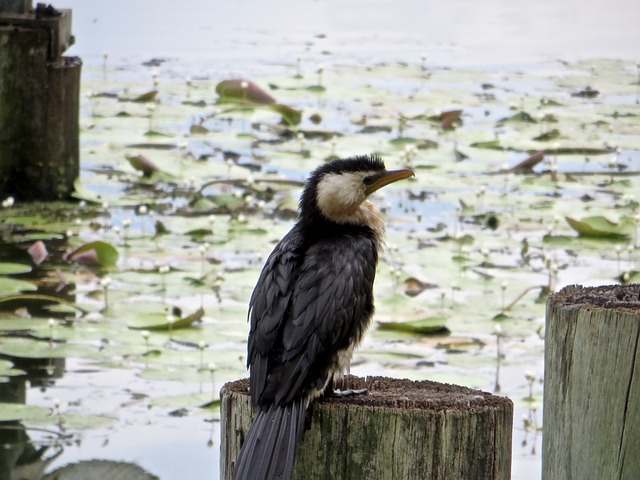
(350,392)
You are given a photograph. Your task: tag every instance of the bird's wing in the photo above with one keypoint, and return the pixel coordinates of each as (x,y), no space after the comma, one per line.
(331,306)
(269,306)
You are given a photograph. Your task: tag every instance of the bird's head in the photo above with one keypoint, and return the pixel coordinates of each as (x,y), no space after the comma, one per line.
(338,189)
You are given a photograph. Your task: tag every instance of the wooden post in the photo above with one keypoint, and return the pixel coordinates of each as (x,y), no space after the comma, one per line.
(39,104)
(592,384)
(401,430)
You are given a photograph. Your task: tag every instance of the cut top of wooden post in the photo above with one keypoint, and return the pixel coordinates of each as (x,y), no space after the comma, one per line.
(401,394)
(619,297)
(57,25)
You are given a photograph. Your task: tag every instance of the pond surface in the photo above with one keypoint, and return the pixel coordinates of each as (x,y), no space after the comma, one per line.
(128,364)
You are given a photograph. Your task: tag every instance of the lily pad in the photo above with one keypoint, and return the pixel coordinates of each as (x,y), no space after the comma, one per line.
(414,286)
(548,136)
(11,286)
(193,400)
(489,144)
(526,165)
(68,420)
(289,115)
(425,326)
(146,97)
(8,370)
(602,227)
(242,90)
(159,322)
(10,268)
(520,117)
(25,298)
(143,164)
(32,348)
(83,421)
(18,412)
(100,469)
(94,253)
(449,119)
(630,276)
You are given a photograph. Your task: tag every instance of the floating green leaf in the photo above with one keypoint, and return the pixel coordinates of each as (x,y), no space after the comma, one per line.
(82,421)
(526,165)
(630,276)
(192,400)
(10,268)
(146,97)
(33,348)
(19,412)
(241,90)
(548,136)
(8,370)
(414,286)
(600,226)
(67,420)
(159,322)
(94,253)
(579,151)
(316,88)
(11,286)
(289,115)
(520,117)
(30,297)
(143,164)
(426,326)
(199,232)
(449,119)
(490,144)
(586,92)
(99,469)
(404,141)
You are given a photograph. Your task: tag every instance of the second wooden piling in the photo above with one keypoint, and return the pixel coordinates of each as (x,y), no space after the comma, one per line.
(592,384)
(39,106)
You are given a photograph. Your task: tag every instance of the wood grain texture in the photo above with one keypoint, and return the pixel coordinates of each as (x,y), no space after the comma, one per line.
(39,116)
(400,430)
(592,384)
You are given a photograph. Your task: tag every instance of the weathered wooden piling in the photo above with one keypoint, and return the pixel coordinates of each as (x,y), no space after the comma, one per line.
(400,430)
(592,384)
(39,102)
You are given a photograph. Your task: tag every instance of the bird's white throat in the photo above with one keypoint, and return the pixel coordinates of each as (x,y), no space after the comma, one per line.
(341,198)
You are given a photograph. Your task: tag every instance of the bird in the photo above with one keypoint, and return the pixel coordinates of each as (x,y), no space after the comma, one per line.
(311,306)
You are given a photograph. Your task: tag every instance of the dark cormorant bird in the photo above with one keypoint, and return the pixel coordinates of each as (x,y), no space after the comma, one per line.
(311,306)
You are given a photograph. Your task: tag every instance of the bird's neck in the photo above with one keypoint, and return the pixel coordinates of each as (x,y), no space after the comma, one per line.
(366,215)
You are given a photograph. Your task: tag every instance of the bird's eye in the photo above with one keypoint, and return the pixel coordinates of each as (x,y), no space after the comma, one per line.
(370,179)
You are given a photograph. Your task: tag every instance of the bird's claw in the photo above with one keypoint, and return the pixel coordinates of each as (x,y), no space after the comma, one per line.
(350,392)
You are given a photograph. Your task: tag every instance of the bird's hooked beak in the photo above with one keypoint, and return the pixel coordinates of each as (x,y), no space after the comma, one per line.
(387,178)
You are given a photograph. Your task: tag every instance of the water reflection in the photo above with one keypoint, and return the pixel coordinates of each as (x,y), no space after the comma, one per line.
(25,458)
(20,458)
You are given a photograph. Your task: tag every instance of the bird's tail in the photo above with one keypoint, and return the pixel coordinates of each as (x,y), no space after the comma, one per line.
(270,447)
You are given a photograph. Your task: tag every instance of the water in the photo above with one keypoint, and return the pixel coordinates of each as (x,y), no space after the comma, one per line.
(240,36)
